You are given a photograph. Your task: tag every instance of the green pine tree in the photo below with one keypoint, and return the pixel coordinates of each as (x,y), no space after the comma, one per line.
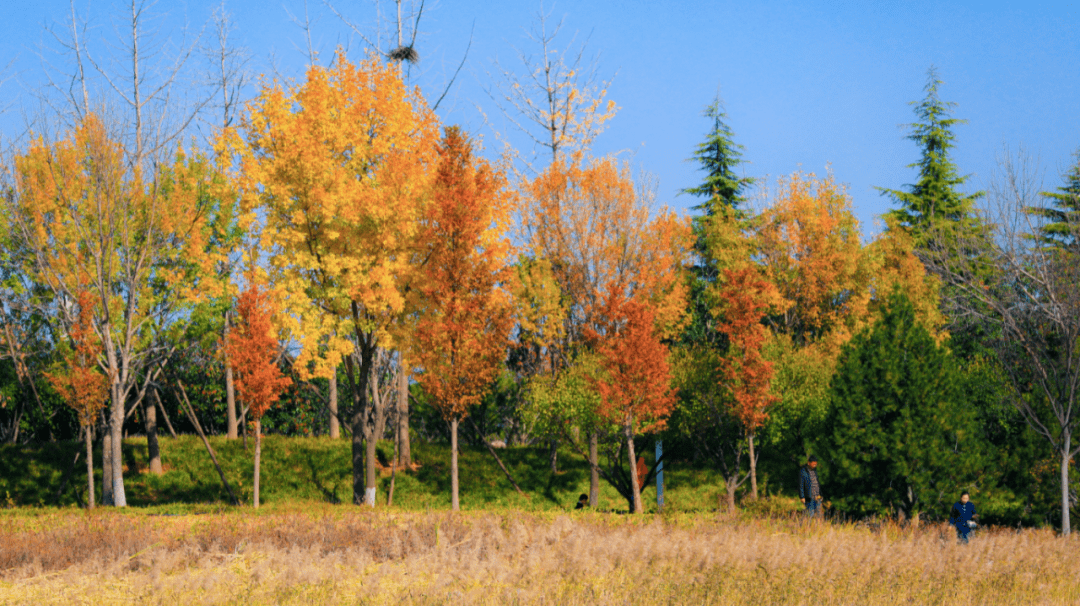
(1063,216)
(903,428)
(722,191)
(933,205)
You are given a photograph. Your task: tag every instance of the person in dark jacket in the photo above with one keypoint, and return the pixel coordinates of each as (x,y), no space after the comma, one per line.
(962,516)
(809,488)
(582,502)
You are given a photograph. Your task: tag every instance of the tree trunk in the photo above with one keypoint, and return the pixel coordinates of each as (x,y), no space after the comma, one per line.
(594,471)
(358,457)
(635,486)
(258,460)
(89,466)
(231,432)
(1066,446)
(335,424)
(730,485)
(369,470)
(554,456)
(106,466)
(753,467)
(153,450)
(117,430)
(403,444)
(454,505)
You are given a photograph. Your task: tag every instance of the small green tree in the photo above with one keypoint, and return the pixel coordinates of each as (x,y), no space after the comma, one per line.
(903,427)
(1063,214)
(933,208)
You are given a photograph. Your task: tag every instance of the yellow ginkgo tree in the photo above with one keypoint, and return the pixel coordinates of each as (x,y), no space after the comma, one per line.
(339,168)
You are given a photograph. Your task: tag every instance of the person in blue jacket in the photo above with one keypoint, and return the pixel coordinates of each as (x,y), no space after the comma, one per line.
(963,512)
(809,488)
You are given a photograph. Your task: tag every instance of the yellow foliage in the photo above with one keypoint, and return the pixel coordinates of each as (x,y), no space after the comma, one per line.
(340,167)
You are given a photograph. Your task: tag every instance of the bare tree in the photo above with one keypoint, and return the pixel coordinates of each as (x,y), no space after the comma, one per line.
(229,69)
(1027,294)
(144,79)
(394,39)
(559,102)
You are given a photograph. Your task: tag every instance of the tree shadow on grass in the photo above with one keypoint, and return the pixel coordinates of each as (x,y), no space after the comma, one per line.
(329,494)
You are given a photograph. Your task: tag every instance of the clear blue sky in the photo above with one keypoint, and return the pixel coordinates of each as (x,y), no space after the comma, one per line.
(805,84)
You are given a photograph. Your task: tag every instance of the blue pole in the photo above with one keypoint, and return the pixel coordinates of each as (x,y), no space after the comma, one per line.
(659,475)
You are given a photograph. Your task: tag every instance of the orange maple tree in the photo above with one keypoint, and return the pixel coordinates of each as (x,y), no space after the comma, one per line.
(598,230)
(465,318)
(635,391)
(810,248)
(252,348)
(745,298)
(80,382)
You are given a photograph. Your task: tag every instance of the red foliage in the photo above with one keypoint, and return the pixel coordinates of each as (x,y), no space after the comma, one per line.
(637,386)
(252,349)
(464,326)
(80,383)
(745,298)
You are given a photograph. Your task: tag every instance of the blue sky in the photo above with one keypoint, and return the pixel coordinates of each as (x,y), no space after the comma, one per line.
(805,84)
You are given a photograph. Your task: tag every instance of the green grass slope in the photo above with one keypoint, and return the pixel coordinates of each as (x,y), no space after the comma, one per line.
(319,470)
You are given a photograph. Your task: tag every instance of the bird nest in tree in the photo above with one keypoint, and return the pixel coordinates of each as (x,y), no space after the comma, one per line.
(404,53)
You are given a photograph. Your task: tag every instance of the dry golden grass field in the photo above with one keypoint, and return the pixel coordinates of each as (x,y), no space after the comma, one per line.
(342,555)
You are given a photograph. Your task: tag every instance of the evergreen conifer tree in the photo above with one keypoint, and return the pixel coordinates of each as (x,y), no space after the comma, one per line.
(1063,216)
(903,427)
(933,207)
(722,191)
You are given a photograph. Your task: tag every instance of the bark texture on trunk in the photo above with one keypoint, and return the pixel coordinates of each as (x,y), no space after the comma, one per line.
(258,460)
(335,424)
(117,429)
(231,432)
(1066,447)
(106,467)
(89,438)
(153,450)
(635,485)
(753,466)
(554,456)
(594,471)
(454,505)
(369,471)
(730,486)
(403,445)
(358,458)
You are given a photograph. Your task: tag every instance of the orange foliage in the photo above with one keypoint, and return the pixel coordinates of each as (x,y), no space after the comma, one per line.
(251,347)
(636,386)
(809,244)
(744,300)
(80,382)
(340,168)
(465,319)
(595,229)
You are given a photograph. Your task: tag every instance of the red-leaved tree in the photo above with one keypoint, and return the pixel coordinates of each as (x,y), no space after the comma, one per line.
(463,330)
(252,349)
(79,381)
(635,391)
(744,299)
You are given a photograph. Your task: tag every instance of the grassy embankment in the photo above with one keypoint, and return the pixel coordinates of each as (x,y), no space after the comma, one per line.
(325,554)
(319,470)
